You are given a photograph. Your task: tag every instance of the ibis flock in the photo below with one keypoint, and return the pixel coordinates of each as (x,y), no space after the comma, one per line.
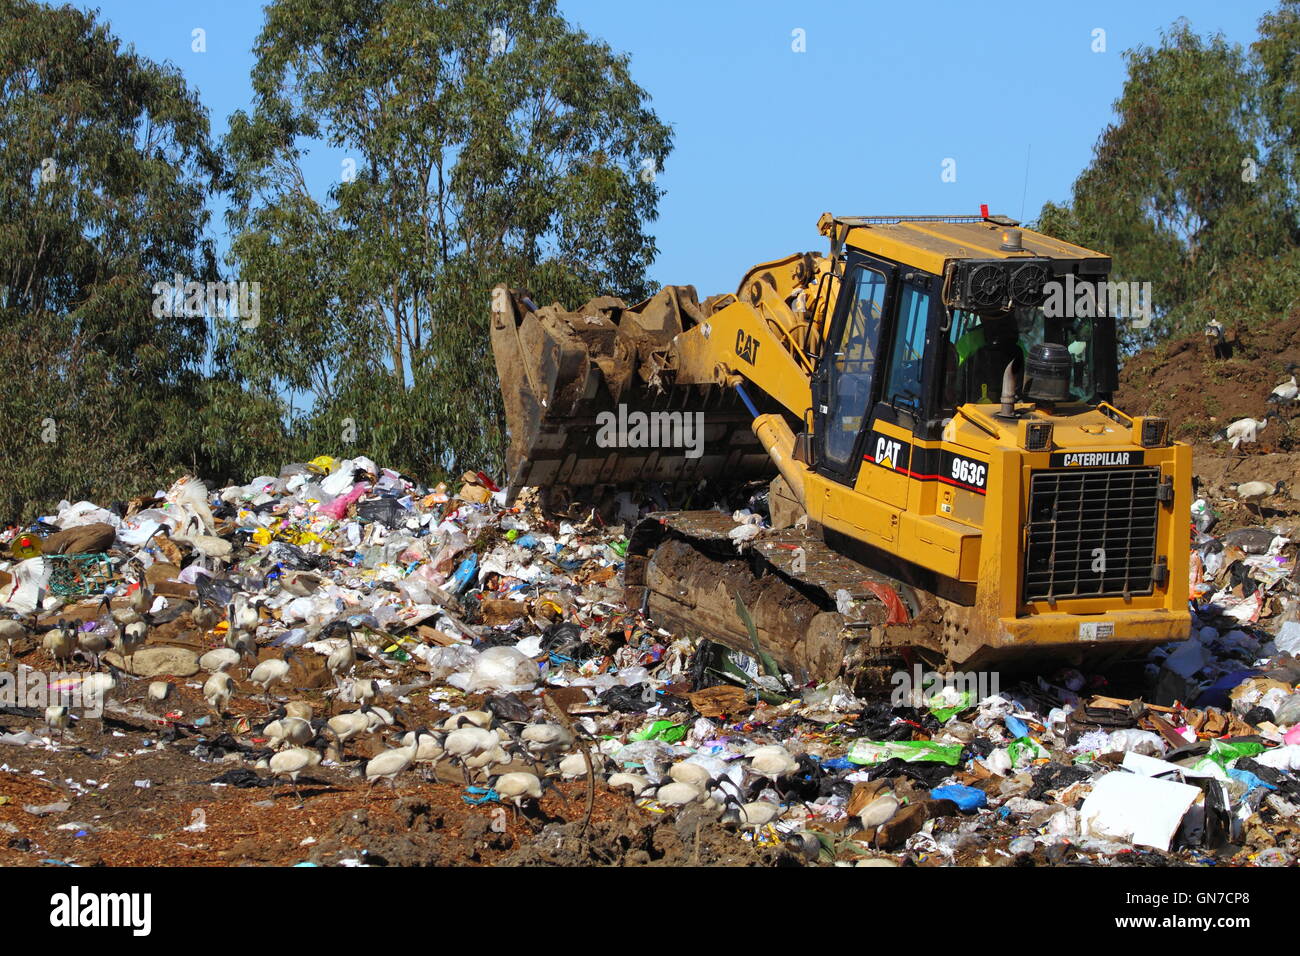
(371,739)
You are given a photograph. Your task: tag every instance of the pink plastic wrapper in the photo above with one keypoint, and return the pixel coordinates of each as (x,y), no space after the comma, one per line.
(337,508)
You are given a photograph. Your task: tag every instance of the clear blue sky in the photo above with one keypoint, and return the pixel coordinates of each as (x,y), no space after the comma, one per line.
(768,138)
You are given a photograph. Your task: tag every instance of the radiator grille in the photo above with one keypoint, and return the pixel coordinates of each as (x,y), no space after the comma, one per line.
(1075,511)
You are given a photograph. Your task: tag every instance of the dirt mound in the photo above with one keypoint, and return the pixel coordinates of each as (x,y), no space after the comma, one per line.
(1200,394)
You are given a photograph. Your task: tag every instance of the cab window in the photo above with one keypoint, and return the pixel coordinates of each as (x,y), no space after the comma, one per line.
(853,363)
(903,378)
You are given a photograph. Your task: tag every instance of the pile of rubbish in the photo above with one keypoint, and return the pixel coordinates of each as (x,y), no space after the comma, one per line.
(478,614)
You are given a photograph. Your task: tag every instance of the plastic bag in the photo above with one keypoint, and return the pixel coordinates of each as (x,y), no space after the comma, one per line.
(870,752)
(503,669)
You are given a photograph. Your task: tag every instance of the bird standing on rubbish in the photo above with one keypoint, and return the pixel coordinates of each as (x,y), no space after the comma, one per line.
(241,641)
(692,773)
(575,765)
(219,659)
(1253,492)
(518,787)
(1287,392)
(428,751)
(773,762)
(243,613)
(635,782)
(387,765)
(878,812)
(268,672)
(288,730)
(754,815)
(290,763)
(217,691)
(342,660)
(1244,431)
(57,716)
(92,644)
(96,689)
(546,740)
(204,616)
(212,550)
(466,742)
(60,642)
(346,726)
(10,630)
(678,794)
(129,637)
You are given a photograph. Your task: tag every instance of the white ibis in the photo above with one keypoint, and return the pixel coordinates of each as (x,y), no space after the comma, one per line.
(486,760)
(678,794)
(346,726)
(635,782)
(268,672)
(773,762)
(217,691)
(342,660)
(10,630)
(878,812)
(387,765)
(60,641)
(1253,492)
(757,814)
(92,643)
(517,787)
(290,763)
(130,637)
(59,717)
(219,659)
(96,689)
(1244,431)
(288,731)
(211,549)
(545,740)
(428,749)
(298,708)
(1287,392)
(575,765)
(466,742)
(478,718)
(204,616)
(692,773)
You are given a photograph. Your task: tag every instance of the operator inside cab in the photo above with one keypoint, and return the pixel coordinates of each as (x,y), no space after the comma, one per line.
(980,347)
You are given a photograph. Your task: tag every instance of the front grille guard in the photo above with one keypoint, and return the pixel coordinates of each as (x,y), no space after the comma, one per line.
(1091,533)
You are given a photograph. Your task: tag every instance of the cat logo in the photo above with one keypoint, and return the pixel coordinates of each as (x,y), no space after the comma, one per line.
(746,346)
(887,452)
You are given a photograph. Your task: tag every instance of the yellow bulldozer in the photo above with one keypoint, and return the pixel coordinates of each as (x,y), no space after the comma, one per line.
(928,408)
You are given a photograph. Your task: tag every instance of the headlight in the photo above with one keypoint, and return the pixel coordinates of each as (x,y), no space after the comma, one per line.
(1154,432)
(1038,436)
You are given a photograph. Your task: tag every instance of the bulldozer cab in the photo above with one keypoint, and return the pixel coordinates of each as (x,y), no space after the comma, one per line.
(902,348)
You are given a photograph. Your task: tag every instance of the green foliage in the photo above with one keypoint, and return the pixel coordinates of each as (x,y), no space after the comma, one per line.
(105,168)
(1191,188)
(491,142)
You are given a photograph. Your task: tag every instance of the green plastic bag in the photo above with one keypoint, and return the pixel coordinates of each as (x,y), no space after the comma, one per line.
(870,752)
(944,714)
(1026,747)
(1223,753)
(664,730)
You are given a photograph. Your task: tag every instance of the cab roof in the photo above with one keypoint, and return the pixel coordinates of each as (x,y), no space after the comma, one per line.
(930,242)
